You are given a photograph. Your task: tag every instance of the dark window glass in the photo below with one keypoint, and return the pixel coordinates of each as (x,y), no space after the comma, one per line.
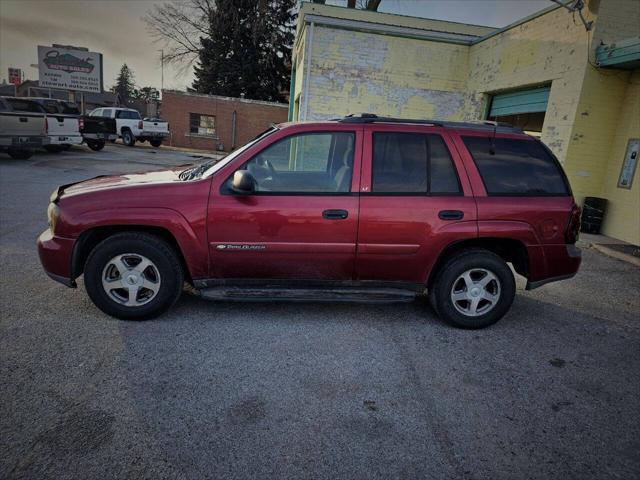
(70,108)
(442,173)
(51,107)
(305,163)
(107,112)
(24,105)
(518,167)
(128,114)
(409,162)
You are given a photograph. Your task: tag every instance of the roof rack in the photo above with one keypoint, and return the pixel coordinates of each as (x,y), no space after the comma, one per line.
(477,125)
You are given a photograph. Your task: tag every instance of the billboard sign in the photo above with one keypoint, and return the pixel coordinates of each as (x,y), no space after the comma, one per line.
(15,76)
(70,69)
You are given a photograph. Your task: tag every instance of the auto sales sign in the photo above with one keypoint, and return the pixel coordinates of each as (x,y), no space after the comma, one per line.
(70,69)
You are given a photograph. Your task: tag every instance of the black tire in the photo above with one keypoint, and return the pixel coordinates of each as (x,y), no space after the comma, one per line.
(53,148)
(164,258)
(155,142)
(128,138)
(450,273)
(20,153)
(95,145)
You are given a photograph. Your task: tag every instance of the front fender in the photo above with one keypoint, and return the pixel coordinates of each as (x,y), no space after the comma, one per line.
(190,239)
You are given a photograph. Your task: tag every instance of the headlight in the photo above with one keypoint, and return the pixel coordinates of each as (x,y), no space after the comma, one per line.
(53,212)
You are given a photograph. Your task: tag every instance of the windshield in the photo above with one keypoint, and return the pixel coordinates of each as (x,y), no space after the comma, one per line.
(213,166)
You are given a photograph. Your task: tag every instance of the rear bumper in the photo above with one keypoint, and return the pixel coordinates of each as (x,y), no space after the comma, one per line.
(147,134)
(563,262)
(23,142)
(100,136)
(65,139)
(55,256)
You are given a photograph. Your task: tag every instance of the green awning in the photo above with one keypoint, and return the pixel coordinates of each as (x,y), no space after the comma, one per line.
(624,54)
(521,101)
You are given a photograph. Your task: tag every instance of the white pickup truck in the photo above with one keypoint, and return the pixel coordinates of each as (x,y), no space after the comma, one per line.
(131,127)
(22,127)
(63,123)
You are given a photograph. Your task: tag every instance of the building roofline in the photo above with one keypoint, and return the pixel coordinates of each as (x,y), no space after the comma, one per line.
(517,23)
(395,30)
(220,97)
(318,17)
(399,15)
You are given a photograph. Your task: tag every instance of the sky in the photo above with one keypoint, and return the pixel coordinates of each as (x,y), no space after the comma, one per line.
(115,28)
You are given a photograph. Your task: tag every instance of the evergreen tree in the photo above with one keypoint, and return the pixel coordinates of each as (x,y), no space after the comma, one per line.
(249,50)
(125,83)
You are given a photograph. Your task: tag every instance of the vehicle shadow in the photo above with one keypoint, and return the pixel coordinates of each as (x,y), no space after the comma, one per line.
(241,388)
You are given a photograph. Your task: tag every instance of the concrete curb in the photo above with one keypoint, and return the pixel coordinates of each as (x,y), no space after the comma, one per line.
(615,254)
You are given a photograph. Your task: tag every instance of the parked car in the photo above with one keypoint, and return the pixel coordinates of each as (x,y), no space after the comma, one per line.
(131,127)
(63,123)
(23,127)
(362,208)
(96,130)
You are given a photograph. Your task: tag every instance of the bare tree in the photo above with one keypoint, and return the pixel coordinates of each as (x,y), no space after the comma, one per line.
(364,4)
(180,25)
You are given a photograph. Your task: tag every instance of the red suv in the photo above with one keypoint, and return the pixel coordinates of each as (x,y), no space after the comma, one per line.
(361,208)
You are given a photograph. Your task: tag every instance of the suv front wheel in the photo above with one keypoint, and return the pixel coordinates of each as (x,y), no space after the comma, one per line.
(133,276)
(474,289)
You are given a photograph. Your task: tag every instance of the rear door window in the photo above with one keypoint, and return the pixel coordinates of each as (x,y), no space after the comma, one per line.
(412,163)
(514,167)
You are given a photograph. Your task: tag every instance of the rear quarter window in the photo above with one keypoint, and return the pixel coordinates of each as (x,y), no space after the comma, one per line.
(514,167)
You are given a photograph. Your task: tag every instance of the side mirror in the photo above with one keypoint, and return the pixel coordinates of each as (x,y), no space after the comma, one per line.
(243,183)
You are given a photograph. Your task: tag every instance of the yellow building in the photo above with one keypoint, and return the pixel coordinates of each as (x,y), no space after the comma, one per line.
(578,89)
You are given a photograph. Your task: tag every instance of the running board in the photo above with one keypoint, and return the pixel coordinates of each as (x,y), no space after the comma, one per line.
(269,294)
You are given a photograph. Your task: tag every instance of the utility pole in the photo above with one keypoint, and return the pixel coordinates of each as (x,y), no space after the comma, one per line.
(161,70)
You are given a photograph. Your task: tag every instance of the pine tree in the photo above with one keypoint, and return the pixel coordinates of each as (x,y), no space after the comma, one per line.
(125,83)
(249,50)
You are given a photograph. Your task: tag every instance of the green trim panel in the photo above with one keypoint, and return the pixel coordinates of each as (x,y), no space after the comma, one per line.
(624,54)
(522,101)
(292,93)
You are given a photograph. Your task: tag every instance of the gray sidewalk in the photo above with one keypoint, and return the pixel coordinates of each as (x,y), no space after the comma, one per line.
(612,247)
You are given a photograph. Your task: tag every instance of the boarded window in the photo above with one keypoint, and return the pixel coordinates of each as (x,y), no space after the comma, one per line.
(202,124)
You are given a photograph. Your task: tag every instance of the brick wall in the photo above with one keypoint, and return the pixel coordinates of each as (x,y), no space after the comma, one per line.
(252,117)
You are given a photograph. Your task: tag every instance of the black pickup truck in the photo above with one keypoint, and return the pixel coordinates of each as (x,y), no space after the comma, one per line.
(96,131)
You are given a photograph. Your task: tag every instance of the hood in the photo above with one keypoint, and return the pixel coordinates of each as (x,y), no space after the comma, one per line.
(115,182)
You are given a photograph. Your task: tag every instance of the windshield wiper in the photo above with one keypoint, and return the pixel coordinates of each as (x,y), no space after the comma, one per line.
(197,171)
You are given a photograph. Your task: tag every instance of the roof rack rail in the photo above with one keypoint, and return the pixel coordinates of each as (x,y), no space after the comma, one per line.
(475,125)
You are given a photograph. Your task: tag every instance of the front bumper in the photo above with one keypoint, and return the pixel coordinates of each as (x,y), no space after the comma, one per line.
(55,255)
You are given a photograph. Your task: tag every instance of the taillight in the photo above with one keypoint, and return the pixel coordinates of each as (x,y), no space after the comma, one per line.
(573,226)
(140,124)
(81,124)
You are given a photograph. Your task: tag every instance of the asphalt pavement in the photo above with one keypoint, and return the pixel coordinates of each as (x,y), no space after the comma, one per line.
(305,391)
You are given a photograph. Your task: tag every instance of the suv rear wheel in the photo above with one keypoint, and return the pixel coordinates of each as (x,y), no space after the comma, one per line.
(133,276)
(474,289)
